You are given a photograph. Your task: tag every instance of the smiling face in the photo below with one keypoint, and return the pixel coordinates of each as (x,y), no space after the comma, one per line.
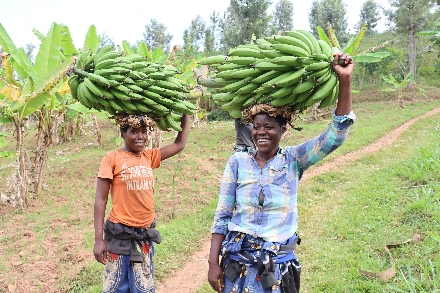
(135,139)
(266,133)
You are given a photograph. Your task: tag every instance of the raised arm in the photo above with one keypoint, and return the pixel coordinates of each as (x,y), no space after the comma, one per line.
(180,141)
(344,74)
(101,197)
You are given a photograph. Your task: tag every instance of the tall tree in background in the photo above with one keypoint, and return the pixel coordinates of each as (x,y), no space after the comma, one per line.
(106,40)
(410,17)
(212,35)
(29,49)
(369,15)
(194,35)
(242,19)
(283,16)
(156,36)
(334,12)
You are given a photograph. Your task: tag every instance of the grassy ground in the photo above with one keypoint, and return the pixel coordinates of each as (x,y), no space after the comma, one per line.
(51,243)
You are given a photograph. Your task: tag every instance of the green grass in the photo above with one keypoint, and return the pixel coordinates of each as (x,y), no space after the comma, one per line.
(380,204)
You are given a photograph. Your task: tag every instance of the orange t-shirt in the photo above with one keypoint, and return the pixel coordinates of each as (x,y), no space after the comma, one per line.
(132,185)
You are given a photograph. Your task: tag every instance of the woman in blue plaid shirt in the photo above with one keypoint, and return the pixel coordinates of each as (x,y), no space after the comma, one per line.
(254,228)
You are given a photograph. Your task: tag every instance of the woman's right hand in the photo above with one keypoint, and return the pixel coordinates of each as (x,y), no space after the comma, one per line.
(100,251)
(215,277)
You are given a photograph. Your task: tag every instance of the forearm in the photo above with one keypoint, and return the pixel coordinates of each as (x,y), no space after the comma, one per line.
(99,213)
(182,136)
(216,243)
(344,105)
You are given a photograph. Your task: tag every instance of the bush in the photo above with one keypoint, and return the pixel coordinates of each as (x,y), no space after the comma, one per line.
(218,115)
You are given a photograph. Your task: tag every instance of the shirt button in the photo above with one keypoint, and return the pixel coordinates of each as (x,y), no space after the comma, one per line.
(259,222)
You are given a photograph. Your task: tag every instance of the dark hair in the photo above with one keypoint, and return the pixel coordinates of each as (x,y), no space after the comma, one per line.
(281,120)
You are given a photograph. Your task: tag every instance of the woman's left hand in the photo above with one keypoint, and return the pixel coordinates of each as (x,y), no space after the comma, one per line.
(343,65)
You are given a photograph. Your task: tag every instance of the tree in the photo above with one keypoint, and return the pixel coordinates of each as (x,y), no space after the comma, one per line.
(333,12)
(283,16)
(212,35)
(155,36)
(410,17)
(242,19)
(369,15)
(29,49)
(194,35)
(106,40)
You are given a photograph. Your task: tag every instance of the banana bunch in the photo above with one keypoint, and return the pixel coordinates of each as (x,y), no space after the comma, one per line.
(112,82)
(293,69)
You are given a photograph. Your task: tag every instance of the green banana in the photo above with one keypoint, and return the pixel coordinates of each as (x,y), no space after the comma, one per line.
(294,42)
(318,66)
(284,91)
(289,49)
(106,56)
(287,60)
(235,113)
(287,99)
(314,42)
(272,66)
(161,124)
(229,66)
(81,96)
(242,60)
(98,79)
(327,101)
(272,53)
(325,89)
(300,36)
(213,60)
(324,77)
(92,87)
(269,75)
(236,85)
(250,87)
(317,74)
(304,86)
(293,78)
(105,64)
(246,52)
(169,118)
(325,48)
(73,84)
(119,95)
(243,73)
(273,81)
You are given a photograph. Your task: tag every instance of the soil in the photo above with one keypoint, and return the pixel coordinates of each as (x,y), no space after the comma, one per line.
(194,274)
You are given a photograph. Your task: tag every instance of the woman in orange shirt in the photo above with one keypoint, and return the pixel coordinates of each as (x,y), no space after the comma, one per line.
(127,248)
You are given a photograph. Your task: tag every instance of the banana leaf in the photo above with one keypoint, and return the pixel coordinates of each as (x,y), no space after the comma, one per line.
(92,40)
(333,38)
(5,120)
(370,57)
(127,49)
(18,65)
(67,42)
(39,35)
(5,41)
(157,53)
(8,71)
(26,64)
(143,50)
(48,56)
(34,104)
(53,77)
(323,36)
(80,108)
(354,42)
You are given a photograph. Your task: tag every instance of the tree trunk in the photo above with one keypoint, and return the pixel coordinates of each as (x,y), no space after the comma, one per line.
(21,195)
(98,131)
(412,54)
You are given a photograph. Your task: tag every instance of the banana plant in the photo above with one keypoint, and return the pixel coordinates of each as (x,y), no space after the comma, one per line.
(25,89)
(352,46)
(399,86)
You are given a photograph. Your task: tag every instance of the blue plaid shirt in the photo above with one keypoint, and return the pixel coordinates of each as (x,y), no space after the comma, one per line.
(238,207)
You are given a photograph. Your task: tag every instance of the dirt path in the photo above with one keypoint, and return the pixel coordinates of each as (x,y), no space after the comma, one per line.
(194,273)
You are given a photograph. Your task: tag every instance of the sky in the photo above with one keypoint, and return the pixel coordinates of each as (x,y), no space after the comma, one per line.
(126,20)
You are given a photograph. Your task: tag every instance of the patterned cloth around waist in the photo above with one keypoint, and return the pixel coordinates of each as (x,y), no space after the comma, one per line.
(242,249)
